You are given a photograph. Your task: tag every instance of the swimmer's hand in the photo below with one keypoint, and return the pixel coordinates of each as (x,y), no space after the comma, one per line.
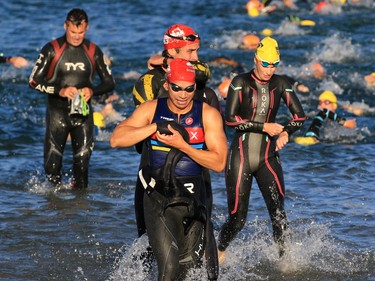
(351,124)
(282,140)
(163,127)
(273,129)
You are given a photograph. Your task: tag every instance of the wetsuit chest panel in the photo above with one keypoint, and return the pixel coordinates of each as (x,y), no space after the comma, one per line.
(262,100)
(74,68)
(192,122)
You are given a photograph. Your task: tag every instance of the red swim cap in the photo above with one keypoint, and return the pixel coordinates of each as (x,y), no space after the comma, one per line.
(179,35)
(180,70)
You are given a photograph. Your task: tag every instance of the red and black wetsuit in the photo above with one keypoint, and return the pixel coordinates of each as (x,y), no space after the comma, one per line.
(61,65)
(249,105)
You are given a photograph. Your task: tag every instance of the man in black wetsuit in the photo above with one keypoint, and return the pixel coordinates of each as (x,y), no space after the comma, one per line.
(180,41)
(251,108)
(65,71)
(181,136)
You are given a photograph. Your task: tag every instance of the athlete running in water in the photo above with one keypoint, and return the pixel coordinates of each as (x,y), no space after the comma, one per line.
(182,135)
(251,108)
(66,67)
(180,41)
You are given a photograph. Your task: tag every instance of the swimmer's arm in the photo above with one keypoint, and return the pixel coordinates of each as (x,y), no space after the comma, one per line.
(37,79)
(232,109)
(214,157)
(107,81)
(295,108)
(135,128)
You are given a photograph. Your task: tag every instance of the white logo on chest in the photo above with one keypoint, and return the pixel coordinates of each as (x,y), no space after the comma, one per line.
(263,104)
(74,66)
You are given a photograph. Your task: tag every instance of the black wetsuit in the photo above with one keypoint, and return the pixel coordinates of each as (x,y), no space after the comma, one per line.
(319,119)
(61,65)
(148,87)
(250,104)
(4,59)
(175,208)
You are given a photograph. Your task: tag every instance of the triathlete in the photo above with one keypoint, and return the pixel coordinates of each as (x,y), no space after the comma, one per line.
(251,108)
(327,106)
(65,71)
(180,41)
(180,139)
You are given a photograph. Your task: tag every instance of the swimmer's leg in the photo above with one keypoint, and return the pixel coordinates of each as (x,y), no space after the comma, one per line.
(54,145)
(83,145)
(162,232)
(271,183)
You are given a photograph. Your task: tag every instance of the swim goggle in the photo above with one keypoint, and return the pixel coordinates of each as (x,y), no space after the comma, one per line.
(191,37)
(79,105)
(326,102)
(267,63)
(176,88)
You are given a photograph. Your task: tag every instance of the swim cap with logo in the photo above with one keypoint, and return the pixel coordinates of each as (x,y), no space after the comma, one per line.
(180,70)
(268,50)
(178,36)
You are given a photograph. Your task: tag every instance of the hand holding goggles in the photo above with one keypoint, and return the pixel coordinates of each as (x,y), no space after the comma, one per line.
(191,37)
(176,88)
(78,105)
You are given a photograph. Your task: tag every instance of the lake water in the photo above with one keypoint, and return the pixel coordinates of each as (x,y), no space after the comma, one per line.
(91,235)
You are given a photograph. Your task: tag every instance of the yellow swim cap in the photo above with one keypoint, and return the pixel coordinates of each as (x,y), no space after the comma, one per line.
(268,50)
(99,119)
(307,23)
(330,96)
(267,32)
(253,12)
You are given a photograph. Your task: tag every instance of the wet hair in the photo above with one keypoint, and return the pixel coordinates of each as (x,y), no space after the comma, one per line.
(76,17)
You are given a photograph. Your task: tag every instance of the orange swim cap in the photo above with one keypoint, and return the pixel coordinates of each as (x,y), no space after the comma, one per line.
(319,7)
(318,70)
(250,42)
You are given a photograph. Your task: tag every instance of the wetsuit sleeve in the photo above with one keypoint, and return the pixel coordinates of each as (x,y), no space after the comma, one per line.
(295,108)
(3,59)
(107,81)
(314,129)
(37,79)
(233,108)
(148,86)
